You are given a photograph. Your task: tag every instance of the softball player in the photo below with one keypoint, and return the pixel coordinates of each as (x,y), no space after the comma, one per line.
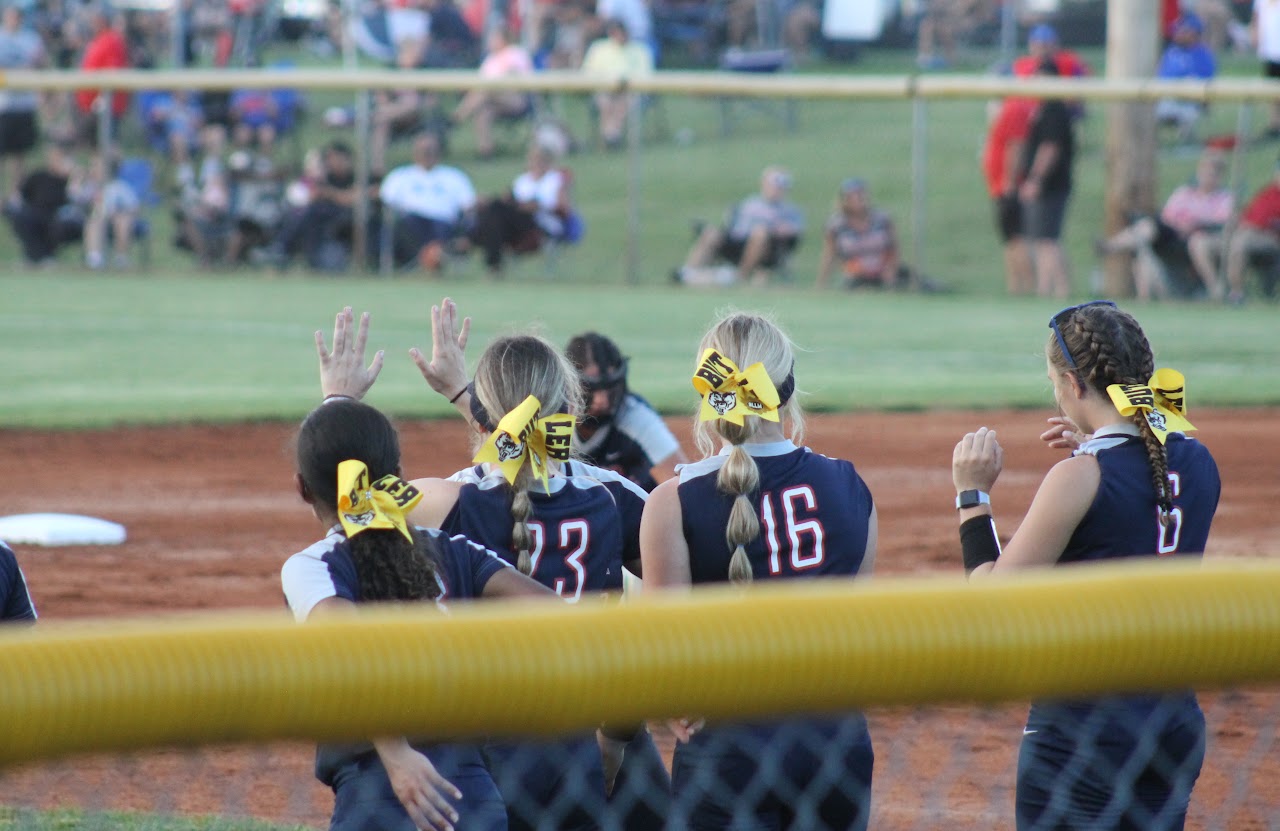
(1134,486)
(348,463)
(618,429)
(785,513)
(570,526)
(15,600)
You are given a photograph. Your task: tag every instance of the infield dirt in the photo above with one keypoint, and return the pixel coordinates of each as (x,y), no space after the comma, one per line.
(212,514)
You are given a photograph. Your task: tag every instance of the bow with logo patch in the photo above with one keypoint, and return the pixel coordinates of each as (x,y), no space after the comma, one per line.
(521,433)
(383,504)
(1162,400)
(732,394)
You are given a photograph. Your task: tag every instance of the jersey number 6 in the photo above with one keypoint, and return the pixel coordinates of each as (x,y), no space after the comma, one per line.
(1167,541)
(804,537)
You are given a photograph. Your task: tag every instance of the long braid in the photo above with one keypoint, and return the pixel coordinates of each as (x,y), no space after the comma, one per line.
(1114,350)
(739,477)
(521,510)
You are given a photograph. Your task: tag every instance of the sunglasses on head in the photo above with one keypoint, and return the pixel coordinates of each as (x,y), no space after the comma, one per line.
(1056,320)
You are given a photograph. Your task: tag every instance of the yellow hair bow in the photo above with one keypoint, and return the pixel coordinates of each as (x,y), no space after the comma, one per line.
(732,394)
(1163,399)
(521,433)
(383,504)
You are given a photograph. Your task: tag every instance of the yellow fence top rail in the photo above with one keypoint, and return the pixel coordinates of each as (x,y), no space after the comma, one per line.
(805,647)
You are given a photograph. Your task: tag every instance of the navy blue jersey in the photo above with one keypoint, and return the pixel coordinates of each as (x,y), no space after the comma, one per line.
(15,601)
(584,528)
(814,513)
(326,570)
(1123,520)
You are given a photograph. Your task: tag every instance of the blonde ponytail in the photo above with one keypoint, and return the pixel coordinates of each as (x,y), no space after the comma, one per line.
(740,477)
(521,535)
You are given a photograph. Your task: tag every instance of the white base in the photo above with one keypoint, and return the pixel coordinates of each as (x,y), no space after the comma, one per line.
(59,529)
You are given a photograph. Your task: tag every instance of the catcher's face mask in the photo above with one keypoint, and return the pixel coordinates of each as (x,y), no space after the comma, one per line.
(602,393)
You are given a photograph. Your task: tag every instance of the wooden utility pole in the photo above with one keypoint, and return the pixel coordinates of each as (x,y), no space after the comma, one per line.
(1133,43)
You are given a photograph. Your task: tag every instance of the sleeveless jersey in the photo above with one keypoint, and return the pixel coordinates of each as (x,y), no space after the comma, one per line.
(583,529)
(326,569)
(813,511)
(1123,520)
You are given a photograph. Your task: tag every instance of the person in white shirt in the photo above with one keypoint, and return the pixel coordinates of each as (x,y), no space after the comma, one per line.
(538,207)
(1265,32)
(433,204)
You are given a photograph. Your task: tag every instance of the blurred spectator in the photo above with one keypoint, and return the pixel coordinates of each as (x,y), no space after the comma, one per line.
(260,116)
(505,59)
(937,33)
(1186,56)
(615,55)
(113,217)
(319,227)
(1174,252)
(171,122)
(1001,160)
(1218,22)
(1042,43)
(1046,180)
(105,50)
(759,233)
(394,111)
(45,217)
(433,204)
(634,14)
(257,206)
(539,207)
(1258,234)
(450,42)
(1264,28)
(205,203)
(562,34)
(862,239)
(408,25)
(20,48)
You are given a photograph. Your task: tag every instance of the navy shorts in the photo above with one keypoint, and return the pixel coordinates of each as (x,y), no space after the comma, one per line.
(775,252)
(1107,775)
(1008,217)
(365,801)
(810,773)
(1042,218)
(556,784)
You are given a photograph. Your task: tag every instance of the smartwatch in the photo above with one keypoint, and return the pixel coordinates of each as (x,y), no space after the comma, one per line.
(972,499)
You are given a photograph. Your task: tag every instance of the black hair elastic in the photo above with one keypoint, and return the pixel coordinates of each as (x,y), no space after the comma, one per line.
(478,412)
(788,387)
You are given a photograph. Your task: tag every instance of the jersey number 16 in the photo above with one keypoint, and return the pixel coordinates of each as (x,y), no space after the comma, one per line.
(804,538)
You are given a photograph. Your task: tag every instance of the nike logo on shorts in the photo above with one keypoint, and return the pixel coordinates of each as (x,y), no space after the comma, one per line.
(1027,732)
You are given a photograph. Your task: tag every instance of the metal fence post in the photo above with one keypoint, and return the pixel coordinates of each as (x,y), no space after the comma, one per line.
(919,161)
(634,129)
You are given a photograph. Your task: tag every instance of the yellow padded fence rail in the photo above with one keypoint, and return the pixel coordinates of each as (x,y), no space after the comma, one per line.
(548,667)
(738,84)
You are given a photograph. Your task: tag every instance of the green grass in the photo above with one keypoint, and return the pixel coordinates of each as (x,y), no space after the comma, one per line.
(82,351)
(175,343)
(17,819)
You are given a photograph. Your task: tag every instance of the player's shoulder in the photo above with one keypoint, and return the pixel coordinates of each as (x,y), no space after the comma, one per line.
(582,475)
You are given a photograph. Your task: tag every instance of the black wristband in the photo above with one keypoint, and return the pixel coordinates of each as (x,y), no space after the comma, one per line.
(978,542)
(458,395)
(621,732)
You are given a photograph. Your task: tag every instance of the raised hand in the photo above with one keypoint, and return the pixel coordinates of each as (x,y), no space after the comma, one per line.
(342,371)
(423,792)
(446,372)
(1064,434)
(977,461)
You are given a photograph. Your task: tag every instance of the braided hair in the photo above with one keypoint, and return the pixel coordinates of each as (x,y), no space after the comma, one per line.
(388,566)
(510,370)
(746,339)
(1109,347)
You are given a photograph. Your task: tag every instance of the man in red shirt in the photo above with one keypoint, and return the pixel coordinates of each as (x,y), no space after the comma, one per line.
(105,50)
(1257,233)
(1042,42)
(1001,158)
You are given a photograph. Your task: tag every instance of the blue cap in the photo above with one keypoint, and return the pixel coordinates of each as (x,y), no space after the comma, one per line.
(1191,21)
(853,185)
(1042,33)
